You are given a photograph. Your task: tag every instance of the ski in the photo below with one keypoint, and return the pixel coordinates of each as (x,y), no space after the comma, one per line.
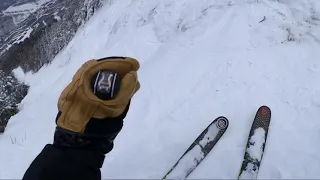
(255,144)
(198,150)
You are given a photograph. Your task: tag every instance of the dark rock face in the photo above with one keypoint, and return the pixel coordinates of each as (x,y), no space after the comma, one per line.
(31,35)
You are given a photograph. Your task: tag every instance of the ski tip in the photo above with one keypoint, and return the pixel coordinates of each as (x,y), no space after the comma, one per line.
(222,123)
(264,111)
(264,106)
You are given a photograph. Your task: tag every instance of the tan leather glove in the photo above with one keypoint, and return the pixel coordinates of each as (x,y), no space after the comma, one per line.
(84,120)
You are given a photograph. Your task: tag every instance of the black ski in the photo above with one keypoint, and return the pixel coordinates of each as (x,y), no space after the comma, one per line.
(198,150)
(256,144)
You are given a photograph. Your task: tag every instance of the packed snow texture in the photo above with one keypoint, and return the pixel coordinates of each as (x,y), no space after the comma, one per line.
(250,173)
(256,143)
(255,152)
(210,135)
(187,163)
(199,60)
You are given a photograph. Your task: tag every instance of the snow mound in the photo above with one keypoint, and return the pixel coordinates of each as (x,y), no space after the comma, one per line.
(257,140)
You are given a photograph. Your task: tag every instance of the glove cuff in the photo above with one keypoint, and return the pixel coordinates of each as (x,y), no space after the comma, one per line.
(66,138)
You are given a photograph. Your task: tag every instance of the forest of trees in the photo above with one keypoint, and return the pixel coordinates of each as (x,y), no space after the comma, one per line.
(37,50)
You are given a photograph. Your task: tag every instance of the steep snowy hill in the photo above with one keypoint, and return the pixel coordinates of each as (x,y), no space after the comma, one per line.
(199,60)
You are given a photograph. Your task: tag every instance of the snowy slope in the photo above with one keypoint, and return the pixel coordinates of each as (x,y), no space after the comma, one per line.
(199,60)
(24,8)
(20,12)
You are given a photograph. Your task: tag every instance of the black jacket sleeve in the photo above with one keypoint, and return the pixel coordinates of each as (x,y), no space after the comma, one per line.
(61,163)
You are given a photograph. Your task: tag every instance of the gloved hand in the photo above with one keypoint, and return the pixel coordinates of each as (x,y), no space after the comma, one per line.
(87,121)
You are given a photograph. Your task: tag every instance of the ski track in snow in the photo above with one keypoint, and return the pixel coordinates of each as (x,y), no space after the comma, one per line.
(199,60)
